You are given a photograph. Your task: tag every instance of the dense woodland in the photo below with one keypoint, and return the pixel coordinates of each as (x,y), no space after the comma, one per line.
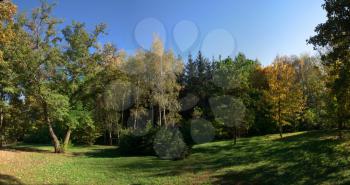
(61,86)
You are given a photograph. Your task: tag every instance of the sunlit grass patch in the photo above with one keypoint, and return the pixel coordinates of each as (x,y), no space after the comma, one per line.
(298,158)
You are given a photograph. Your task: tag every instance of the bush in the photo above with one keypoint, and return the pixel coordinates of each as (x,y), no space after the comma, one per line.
(169,144)
(166,143)
(132,144)
(185,129)
(37,135)
(86,135)
(197,131)
(6,138)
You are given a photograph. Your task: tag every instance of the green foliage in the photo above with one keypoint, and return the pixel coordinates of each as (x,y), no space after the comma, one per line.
(169,144)
(332,40)
(37,135)
(58,106)
(185,129)
(86,134)
(141,144)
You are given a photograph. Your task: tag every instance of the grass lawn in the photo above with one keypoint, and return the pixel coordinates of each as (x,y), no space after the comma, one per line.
(299,158)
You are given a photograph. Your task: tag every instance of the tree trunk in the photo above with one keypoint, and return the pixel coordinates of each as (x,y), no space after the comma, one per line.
(105,137)
(54,139)
(118,135)
(280,130)
(123,108)
(1,118)
(279,118)
(340,128)
(152,115)
(135,119)
(137,105)
(235,136)
(110,138)
(165,121)
(1,124)
(67,138)
(160,116)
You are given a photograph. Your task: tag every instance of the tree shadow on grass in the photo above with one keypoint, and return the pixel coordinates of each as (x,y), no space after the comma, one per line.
(25,149)
(9,180)
(100,153)
(112,152)
(307,158)
(311,135)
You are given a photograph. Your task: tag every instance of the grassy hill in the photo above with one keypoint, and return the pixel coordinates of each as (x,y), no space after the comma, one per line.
(298,158)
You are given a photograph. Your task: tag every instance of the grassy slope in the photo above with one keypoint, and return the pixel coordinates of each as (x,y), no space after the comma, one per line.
(300,158)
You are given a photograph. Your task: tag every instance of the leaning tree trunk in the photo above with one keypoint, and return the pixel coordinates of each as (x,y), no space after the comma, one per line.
(66,139)
(55,141)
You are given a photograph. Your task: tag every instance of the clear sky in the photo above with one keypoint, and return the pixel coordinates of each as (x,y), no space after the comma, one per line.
(259,28)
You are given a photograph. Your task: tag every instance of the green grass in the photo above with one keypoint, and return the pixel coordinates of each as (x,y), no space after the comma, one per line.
(299,158)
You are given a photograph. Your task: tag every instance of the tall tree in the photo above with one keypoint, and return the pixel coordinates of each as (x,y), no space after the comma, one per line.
(333,42)
(310,76)
(232,79)
(164,69)
(197,82)
(230,111)
(41,69)
(79,68)
(8,41)
(284,93)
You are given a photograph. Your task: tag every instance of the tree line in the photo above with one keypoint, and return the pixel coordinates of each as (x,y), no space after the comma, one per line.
(62,86)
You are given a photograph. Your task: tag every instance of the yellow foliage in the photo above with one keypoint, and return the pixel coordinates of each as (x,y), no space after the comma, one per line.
(7,13)
(284,93)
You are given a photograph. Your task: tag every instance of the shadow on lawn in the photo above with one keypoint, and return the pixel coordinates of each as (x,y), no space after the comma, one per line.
(100,153)
(25,149)
(94,152)
(307,158)
(9,180)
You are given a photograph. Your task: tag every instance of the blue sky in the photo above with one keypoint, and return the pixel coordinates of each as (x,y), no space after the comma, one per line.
(259,28)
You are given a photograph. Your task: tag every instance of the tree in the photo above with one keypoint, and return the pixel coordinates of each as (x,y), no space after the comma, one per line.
(7,74)
(310,76)
(333,42)
(112,104)
(135,68)
(284,94)
(230,111)
(154,74)
(112,92)
(258,105)
(79,68)
(197,83)
(189,72)
(232,78)
(40,70)
(163,70)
